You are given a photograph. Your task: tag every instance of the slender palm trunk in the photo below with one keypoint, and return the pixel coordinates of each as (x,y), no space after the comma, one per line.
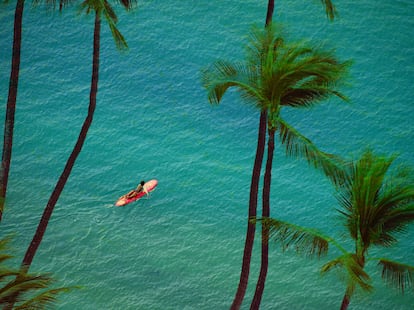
(270,9)
(265,231)
(11,104)
(254,189)
(251,227)
(73,156)
(31,251)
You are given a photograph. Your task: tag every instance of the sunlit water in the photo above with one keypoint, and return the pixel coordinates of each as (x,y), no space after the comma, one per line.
(182,247)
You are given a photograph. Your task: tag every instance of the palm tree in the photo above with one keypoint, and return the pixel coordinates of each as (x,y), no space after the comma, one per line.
(254,187)
(376,207)
(254,190)
(295,76)
(331,13)
(263,80)
(12,282)
(12,96)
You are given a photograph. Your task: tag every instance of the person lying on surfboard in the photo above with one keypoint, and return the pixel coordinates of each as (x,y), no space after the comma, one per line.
(135,192)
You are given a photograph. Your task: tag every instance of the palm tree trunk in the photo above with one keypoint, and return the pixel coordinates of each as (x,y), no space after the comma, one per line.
(73,156)
(251,226)
(270,9)
(11,104)
(254,189)
(265,231)
(265,210)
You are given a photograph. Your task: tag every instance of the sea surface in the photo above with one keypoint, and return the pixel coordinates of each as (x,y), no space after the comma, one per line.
(182,247)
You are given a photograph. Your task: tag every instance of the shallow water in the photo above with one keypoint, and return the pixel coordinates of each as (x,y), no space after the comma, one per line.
(182,247)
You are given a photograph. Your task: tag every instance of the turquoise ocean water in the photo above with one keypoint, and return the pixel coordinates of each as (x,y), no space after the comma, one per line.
(182,248)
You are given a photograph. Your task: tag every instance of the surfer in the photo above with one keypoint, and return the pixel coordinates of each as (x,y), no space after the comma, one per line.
(136,191)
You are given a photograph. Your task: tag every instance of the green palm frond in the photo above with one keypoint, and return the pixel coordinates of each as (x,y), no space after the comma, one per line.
(6,273)
(368,178)
(222,75)
(24,283)
(4,247)
(4,257)
(307,84)
(298,145)
(23,288)
(108,12)
(302,59)
(394,222)
(330,9)
(261,43)
(354,273)
(44,300)
(112,19)
(119,39)
(103,7)
(374,209)
(397,274)
(303,240)
(4,243)
(307,96)
(20,287)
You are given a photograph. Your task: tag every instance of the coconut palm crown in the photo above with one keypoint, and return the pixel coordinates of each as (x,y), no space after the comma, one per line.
(104,8)
(277,74)
(376,206)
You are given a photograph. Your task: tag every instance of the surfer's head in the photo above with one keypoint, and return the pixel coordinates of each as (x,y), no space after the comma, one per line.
(142,183)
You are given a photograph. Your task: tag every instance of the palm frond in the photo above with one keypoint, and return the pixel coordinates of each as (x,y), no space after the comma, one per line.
(109,12)
(394,197)
(221,76)
(311,66)
(397,274)
(295,51)
(330,9)
(119,39)
(21,290)
(374,210)
(298,145)
(18,287)
(6,273)
(103,7)
(4,243)
(43,300)
(393,223)
(308,96)
(4,247)
(24,283)
(112,20)
(303,240)
(261,43)
(354,273)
